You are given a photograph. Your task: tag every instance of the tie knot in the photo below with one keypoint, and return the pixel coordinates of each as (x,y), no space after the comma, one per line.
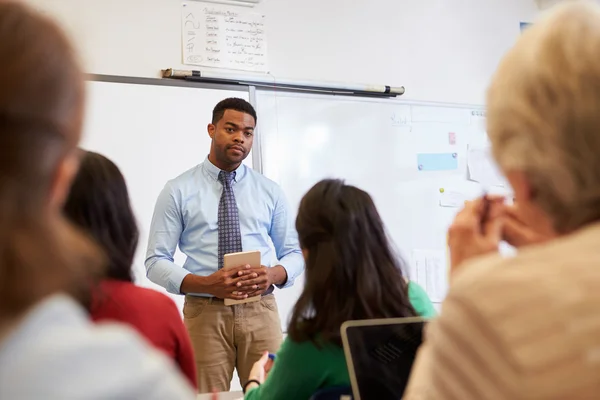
(226,177)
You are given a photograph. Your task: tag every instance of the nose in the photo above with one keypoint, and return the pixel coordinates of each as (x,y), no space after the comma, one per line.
(239,138)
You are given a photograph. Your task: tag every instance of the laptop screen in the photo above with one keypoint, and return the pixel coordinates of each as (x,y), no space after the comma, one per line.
(382,356)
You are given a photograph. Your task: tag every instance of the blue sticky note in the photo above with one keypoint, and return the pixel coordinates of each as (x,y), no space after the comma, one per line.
(437,161)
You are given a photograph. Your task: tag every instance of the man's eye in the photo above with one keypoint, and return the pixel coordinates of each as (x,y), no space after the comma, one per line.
(230,130)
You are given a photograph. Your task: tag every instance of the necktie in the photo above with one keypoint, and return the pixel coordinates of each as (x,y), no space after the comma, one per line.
(230,238)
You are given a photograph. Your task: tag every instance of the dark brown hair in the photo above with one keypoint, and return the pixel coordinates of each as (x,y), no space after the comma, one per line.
(351,270)
(41,104)
(99,204)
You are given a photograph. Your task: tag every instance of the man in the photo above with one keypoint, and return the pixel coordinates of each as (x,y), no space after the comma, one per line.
(220,207)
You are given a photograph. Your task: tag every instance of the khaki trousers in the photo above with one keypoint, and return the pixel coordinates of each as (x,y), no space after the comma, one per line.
(228,337)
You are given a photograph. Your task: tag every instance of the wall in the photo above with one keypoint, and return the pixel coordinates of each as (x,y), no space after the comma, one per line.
(440,50)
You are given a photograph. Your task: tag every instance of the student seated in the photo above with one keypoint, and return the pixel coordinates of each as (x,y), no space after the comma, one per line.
(351,274)
(528,327)
(99,204)
(49,349)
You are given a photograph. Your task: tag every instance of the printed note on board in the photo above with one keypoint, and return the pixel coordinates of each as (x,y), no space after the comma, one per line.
(222,37)
(429,270)
(451,198)
(437,161)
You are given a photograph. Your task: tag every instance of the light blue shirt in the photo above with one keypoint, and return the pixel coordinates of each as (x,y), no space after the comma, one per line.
(186,214)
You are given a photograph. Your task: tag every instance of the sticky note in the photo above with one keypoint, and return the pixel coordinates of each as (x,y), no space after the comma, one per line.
(437,161)
(451,138)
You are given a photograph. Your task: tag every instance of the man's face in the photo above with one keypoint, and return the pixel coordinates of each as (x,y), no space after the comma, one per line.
(232,137)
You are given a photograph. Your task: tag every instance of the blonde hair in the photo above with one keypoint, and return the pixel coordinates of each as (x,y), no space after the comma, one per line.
(544,113)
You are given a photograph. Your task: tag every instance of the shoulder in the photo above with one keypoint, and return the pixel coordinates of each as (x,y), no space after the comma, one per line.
(260,178)
(309,350)
(74,347)
(266,184)
(420,300)
(183,181)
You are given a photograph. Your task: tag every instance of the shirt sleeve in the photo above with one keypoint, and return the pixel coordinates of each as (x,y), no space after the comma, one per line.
(285,240)
(165,232)
(295,371)
(461,358)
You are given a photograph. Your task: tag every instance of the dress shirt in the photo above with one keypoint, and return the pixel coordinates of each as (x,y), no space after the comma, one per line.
(186,214)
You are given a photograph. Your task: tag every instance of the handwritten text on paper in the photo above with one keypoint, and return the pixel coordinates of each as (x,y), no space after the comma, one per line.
(217,36)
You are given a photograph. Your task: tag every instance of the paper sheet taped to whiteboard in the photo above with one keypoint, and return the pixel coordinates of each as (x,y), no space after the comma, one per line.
(453,199)
(482,168)
(223,37)
(429,270)
(437,161)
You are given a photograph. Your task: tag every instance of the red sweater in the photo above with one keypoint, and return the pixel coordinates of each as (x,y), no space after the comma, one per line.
(154,315)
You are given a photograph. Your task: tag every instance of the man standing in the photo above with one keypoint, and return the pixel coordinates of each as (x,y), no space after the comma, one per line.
(220,207)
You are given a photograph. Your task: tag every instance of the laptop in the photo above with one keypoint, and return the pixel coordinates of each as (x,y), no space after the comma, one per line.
(380,354)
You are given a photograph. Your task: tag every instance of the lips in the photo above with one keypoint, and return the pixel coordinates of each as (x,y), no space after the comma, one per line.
(238,148)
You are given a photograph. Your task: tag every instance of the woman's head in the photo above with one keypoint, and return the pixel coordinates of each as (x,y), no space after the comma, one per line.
(41,104)
(544,119)
(99,204)
(351,269)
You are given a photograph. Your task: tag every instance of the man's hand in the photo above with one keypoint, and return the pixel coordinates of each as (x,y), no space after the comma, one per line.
(258,285)
(224,284)
(265,277)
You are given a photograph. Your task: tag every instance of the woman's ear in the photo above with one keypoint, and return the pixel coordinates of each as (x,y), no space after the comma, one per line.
(65,173)
(523,192)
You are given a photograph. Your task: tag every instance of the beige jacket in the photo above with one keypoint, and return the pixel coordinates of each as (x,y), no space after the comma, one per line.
(521,328)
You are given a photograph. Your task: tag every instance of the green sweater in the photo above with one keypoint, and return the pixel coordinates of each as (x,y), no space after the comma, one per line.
(301,369)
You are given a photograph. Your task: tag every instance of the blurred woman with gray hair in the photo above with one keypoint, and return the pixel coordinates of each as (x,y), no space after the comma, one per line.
(528,327)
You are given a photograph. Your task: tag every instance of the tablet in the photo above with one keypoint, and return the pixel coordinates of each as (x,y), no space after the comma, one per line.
(233,260)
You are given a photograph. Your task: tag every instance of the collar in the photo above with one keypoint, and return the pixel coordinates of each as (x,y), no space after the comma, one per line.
(213,171)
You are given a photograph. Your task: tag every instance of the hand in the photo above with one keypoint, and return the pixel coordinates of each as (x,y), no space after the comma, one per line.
(517,233)
(257,285)
(472,233)
(261,368)
(225,283)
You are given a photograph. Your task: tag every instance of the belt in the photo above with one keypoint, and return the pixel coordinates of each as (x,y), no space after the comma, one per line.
(269,291)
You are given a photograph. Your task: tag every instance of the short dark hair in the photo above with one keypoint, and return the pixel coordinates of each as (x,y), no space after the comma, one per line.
(232,103)
(99,204)
(352,271)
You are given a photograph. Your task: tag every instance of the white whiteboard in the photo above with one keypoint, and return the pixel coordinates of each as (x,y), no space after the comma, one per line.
(372,144)
(153,134)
